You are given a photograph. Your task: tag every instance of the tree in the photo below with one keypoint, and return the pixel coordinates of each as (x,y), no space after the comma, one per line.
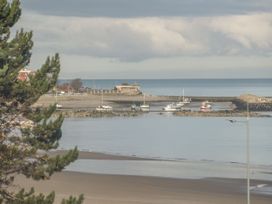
(26,133)
(76,84)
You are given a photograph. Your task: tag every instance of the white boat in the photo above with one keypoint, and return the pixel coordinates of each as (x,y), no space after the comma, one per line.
(103,108)
(171,108)
(179,104)
(205,106)
(134,107)
(58,106)
(184,100)
(144,107)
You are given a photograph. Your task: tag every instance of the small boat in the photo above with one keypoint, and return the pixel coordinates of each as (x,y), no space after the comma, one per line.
(144,107)
(58,106)
(205,106)
(103,108)
(171,108)
(134,107)
(184,100)
(179,104)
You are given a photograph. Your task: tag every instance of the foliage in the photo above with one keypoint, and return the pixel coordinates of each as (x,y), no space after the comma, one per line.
(26,133)
(76,84)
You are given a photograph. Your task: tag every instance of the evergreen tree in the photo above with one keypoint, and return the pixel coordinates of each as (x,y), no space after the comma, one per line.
(26,133)
(76,84)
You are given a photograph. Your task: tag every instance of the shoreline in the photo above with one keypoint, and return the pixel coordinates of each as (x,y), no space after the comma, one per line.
(102,156)
(81,113)
(99,188)
(93,155)
(121,189)
(116,164)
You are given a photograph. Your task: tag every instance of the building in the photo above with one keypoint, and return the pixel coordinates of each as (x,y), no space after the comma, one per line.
(25,73)
(128,89)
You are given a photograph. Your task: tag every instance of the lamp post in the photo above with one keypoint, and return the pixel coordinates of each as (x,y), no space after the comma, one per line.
(247,152)
(248,156)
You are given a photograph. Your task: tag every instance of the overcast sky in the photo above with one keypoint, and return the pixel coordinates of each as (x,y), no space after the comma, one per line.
(153,38)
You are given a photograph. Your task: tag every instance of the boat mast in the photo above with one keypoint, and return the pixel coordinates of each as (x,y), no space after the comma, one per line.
(102,98)
(144,99)
(56,95)
(183,94)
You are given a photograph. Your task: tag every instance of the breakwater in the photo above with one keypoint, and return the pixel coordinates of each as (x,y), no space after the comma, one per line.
(81,113)
(242,105)
(83,105)
(76,113)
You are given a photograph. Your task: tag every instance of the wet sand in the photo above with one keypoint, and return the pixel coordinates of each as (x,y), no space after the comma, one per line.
(123,189)
(115,189)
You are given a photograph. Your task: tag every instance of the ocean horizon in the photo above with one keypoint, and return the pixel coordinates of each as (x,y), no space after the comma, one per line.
(192,87)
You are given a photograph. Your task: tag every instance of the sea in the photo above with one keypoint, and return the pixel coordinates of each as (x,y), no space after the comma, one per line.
(192,87)
(180,147)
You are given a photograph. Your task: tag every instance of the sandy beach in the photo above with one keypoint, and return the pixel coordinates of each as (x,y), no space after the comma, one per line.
(115,189)
(123,189)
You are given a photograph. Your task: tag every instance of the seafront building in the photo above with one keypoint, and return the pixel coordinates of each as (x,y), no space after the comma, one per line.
(128,89)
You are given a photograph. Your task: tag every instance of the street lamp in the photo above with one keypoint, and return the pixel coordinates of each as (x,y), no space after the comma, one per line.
(247,151)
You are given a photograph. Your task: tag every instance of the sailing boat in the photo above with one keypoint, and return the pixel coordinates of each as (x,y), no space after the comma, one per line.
(103,108)
(144,107)
(184,100)
(58,106)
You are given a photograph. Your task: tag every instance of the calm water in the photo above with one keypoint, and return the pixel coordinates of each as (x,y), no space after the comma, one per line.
(193,87)
(167,136)
(200,147)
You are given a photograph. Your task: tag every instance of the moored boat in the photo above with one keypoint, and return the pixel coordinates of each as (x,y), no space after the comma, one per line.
(205,106)
(144,107)
(184,100)
(103,108)
(171,108)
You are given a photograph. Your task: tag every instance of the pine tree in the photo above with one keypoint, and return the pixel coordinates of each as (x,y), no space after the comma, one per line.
(26,133)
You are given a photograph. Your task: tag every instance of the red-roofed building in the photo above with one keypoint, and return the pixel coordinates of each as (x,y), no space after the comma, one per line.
(25,73)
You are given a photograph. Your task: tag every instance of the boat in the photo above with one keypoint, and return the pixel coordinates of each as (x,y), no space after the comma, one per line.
(171,107)
(144,107)
(103,108)
(205,106)
(58,106)
(134,107)
(184,100)
(179,104)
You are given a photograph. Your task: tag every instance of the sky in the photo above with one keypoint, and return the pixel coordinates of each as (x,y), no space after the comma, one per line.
(145,39)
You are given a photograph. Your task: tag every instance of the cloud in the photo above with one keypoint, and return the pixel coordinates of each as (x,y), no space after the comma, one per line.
(251,31)
(146,8)
(137,39)
(176,67)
